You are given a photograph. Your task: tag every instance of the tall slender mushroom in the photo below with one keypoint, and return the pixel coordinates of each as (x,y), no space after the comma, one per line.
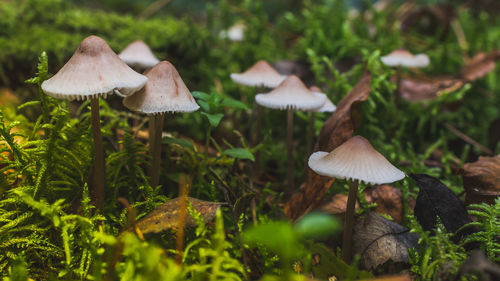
(94,70)
(164,92)
(138,55)
(291,95)
(355,160)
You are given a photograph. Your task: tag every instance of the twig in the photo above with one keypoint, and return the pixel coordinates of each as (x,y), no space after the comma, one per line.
(467,139)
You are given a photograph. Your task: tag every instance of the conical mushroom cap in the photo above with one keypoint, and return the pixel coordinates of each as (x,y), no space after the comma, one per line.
(328,106)
(260,74)
(402,57)
(356,159)
(138,55)
(164,92)
(93,70)
(293,94)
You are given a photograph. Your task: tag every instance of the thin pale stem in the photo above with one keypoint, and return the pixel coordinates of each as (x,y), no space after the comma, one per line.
(99,165)
(349,222)
(289,144)
(310,135)
(156,149)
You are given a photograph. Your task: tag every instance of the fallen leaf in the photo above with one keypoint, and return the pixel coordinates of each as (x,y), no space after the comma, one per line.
(388,198)
(479,66)
(166,216)
(482,180)
(436,199)
(399,277)
(336,130)
(424,88)
(8,98)
(427,19)
(378,240)
(479,265)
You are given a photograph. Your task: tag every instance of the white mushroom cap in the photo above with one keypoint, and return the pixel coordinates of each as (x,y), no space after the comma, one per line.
(93,70)
(260,74)
(356,159)
(328,106)
(164,92)
(138,55)
(402,57)
(291,94)
(234,33)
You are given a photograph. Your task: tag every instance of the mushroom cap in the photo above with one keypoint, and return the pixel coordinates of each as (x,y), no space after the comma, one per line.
(402,57)
(138,55)
(328,106)
(234,33)
(291,94)
(164,92)
(356,159)
(93,70)
(260,74)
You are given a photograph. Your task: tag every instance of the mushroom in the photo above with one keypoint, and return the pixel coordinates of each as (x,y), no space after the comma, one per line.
(290,95)
(235,33)
(138,55)
(355,160)
(402,57)
(327,107)
(94,70)
(164,92)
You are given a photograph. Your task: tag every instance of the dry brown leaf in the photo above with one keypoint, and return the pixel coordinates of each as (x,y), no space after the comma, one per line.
(336,130)
(482,180)
(419,89)
(388,198)
(7,97)
(479,66)
(166,216)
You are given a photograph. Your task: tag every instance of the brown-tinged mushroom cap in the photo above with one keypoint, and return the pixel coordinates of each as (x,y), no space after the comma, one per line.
(291,94)
(164,92)
(138,55)
(328,106)
(356,159)
(402,57)
(260,74)
(93,70)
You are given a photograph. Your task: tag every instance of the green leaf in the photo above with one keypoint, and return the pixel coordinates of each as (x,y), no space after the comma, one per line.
(214,119)
(28,104)
(232,103)
(316,225)
(239,153)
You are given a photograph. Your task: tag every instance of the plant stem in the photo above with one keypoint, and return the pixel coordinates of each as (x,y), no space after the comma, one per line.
(184,189)
(289,144)
(99,164)
(349,221)
(398,87)
(155,148)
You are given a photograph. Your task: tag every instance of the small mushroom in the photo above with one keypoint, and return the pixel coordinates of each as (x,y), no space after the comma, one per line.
(138,55)
(94,70)
(261,74)
(291,95)
(402,58)
(355,160)
(163,93)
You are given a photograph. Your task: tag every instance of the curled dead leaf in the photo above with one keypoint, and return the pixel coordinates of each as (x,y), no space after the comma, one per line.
(479,66)
(336,130)
(482,180)
(378,240)
(419,89)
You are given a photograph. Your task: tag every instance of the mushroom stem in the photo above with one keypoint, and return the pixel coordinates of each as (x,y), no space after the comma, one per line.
(310,134)
(156,128)
(349,221)
(398,83)
(289,144)
(99,164)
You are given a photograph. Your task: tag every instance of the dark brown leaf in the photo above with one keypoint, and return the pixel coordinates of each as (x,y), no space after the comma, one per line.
(478,264)
(378,240)
(419,89)
(336,130)
(482,180)
(479,66)
(166,216)
(388,198)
